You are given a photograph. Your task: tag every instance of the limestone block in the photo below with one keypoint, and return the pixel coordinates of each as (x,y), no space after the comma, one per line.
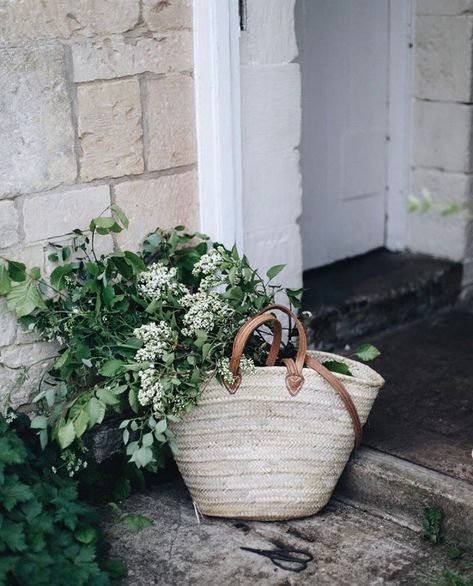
(109,127)
(8,224)
(31,256)
(26,20)
(444,7)
(161,15)
(24,355)
(271,108)
(165,202)
(430,232)
(442,136)
(36,134)
(55,214)
(118,57)
(270,36)
(443,59)
(170,122)
(7,324)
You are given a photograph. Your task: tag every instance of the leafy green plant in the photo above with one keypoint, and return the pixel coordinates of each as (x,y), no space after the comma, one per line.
(138,333)
(432,524)
(47,536)
(365,353)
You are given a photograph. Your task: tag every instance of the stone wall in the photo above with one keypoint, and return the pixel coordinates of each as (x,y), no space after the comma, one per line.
(271,130)
(442,161)
(96,106)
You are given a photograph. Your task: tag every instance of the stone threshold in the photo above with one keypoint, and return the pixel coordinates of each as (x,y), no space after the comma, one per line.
(399,490)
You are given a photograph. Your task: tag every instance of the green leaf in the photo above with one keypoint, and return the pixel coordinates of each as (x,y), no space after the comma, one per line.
(96,410)
(107,396)
(104,225)
(273,271)
(135,261)
(16,271)
(5,283)
(120,214)
(39,422)
(61,361)
(108,294)
(24,298)
(137,523)
(66,435)
(122,489)
(85,534)
(111,368)
(367,352)
(13,491)
(133,400)
(115,568)
(339,367)
(143,456)
(161,426)
(81,422)
(58,276)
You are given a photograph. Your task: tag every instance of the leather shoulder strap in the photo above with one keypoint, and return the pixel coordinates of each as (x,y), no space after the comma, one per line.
(343,393)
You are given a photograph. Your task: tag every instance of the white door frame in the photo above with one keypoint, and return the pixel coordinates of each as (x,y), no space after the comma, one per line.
(217,96)
(399,121)
(218,119)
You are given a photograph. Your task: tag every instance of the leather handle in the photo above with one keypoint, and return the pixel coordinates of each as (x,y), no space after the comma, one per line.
(294,377)
(241,340)
(302,350)
(342,392)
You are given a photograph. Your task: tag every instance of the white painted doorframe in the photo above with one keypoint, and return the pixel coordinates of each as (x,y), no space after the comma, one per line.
(217,97)
(218,118)
(399,121)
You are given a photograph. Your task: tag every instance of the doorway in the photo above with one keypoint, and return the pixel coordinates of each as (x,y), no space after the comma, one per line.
(353,186)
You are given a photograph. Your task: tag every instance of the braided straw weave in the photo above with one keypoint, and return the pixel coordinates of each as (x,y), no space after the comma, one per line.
(265,454)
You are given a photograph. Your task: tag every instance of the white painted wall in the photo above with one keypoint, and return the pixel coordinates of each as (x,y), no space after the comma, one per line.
(271,128)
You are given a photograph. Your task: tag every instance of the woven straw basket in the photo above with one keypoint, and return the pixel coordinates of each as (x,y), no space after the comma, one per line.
(276,448)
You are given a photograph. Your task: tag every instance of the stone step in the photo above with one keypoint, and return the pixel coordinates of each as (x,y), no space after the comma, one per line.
(370,293)
(399,490)
(348,547)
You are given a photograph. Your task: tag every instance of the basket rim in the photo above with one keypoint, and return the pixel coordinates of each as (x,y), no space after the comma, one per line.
(371,378)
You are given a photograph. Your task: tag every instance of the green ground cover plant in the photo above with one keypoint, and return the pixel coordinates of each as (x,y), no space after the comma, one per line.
(47,534)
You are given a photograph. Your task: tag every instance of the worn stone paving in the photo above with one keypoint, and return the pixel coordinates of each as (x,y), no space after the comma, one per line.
(349,547)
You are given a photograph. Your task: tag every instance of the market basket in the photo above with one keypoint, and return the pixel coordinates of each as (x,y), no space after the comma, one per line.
(273,445)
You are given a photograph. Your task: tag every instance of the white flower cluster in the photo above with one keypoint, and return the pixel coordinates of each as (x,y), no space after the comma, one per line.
(151,391)
(208,266)
(73,463)
(159,279)
(247,366)
(208,263)
(204,311)
(157,338)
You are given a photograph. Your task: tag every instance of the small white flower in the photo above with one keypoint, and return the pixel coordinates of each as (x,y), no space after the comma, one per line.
(208,263)
(157,338)
(247,366)
(158,280)
(204,311)
(151,391)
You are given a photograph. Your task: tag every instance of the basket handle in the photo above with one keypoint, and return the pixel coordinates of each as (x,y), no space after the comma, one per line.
(294,378)
(240,342)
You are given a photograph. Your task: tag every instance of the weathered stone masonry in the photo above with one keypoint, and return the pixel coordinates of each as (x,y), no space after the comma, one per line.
(442,143)
(96,106)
